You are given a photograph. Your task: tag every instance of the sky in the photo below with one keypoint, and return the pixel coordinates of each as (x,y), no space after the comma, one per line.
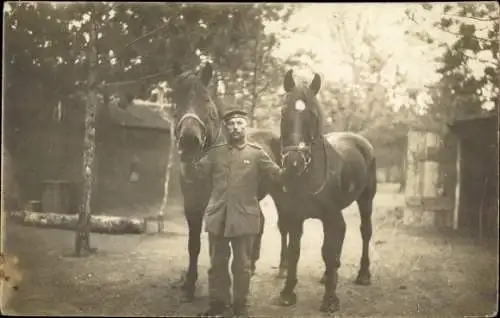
(387,22)
(381,19)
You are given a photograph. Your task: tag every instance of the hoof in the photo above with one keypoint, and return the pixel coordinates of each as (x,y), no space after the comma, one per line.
(281,273)
(287,300)
(363,280)
(330,306)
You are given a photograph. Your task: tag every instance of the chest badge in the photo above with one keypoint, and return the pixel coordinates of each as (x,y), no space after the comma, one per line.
(247,162)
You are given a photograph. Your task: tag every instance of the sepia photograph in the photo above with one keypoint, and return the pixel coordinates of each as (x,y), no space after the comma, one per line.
(218,159)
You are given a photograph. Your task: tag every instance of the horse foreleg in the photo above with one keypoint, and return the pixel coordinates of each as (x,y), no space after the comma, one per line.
(194,245)
(288,296)
(365,205)
(334,234)
(284,246)
(257,245)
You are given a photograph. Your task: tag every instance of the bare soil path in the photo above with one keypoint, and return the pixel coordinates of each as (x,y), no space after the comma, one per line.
(415,273)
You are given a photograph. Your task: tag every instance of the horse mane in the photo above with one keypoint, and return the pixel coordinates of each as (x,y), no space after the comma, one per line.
(190,80)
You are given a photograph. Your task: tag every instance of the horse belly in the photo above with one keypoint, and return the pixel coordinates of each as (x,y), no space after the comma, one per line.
(352,171)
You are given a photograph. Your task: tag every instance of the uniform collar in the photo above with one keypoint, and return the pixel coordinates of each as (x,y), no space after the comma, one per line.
(239,146)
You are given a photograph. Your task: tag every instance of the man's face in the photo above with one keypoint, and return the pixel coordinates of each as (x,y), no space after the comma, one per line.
(236,128)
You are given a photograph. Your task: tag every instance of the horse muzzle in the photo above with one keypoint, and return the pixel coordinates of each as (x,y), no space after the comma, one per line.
(189,146)
(295,159)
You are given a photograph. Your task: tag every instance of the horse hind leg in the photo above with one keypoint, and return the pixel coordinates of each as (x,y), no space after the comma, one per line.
(365,205)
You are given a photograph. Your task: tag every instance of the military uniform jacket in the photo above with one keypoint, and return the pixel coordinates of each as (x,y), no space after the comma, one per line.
(233,209)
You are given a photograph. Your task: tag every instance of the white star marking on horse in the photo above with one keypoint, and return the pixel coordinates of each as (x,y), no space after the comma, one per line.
(300,105)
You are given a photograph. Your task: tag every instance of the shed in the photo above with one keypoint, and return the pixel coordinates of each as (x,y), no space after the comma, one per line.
(476,195)
(132,158)
(49,160)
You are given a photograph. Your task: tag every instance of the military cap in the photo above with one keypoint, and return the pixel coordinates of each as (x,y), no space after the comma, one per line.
(233,111)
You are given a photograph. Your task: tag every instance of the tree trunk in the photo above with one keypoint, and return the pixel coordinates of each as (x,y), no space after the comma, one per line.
(98,223)
(82,239)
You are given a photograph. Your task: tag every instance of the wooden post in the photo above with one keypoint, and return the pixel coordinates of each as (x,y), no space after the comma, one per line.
(82,238)
(456,208)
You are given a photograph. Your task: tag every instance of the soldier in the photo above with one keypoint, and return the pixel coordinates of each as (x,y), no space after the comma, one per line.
(233,215)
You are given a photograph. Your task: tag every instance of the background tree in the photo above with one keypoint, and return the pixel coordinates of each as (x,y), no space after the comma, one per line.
(468,34)
(87,54)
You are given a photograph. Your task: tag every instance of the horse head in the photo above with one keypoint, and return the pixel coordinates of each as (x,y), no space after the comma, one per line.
(195,113)
(301,123)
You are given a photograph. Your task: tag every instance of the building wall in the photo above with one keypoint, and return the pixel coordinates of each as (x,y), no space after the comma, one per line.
(52,150)
(124,150)
(479,188)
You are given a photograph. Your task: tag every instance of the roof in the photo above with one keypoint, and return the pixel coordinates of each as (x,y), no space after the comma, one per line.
(483,120)
(477,130)
(138,116)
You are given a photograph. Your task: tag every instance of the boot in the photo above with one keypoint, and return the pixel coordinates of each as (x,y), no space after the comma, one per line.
(240,310)
(217,309)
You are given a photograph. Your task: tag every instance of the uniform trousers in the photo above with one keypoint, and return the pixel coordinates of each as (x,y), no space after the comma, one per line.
(219,281)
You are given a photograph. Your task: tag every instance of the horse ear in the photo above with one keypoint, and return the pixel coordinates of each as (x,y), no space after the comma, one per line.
(206,74)
(289,83)
(315,84)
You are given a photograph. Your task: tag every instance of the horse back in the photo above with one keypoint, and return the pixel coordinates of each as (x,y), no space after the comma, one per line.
(349,145)
(268,140)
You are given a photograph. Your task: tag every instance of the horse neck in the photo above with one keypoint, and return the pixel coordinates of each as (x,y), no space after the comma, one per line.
(216,134)
(318,156)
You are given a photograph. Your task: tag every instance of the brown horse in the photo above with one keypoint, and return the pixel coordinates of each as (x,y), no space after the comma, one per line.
(324,173)
(199,127)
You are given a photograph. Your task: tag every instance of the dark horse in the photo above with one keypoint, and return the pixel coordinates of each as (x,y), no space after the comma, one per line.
(324,173)
(199,127)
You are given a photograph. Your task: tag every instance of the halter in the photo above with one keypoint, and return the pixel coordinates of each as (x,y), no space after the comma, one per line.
(304,151)
(195,117)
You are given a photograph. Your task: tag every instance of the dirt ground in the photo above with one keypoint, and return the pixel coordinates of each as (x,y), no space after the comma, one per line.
(415,272)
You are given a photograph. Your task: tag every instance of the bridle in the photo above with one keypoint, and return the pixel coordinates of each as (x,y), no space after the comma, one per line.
(304,151)
(197,118)
(205,145)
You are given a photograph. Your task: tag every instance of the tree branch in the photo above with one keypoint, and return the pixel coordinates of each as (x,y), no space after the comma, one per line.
(412,18)
(142,37)
(144,78)
(472,18)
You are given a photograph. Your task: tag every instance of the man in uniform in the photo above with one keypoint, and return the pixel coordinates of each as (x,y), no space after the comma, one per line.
(233,215)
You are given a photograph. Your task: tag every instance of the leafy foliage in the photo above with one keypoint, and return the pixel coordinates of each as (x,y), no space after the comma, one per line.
(138,46)
(469,63)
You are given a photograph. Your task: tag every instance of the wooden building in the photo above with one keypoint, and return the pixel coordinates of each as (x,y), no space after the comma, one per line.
(476,195)
(452,180)
(130,165)
(131,158)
